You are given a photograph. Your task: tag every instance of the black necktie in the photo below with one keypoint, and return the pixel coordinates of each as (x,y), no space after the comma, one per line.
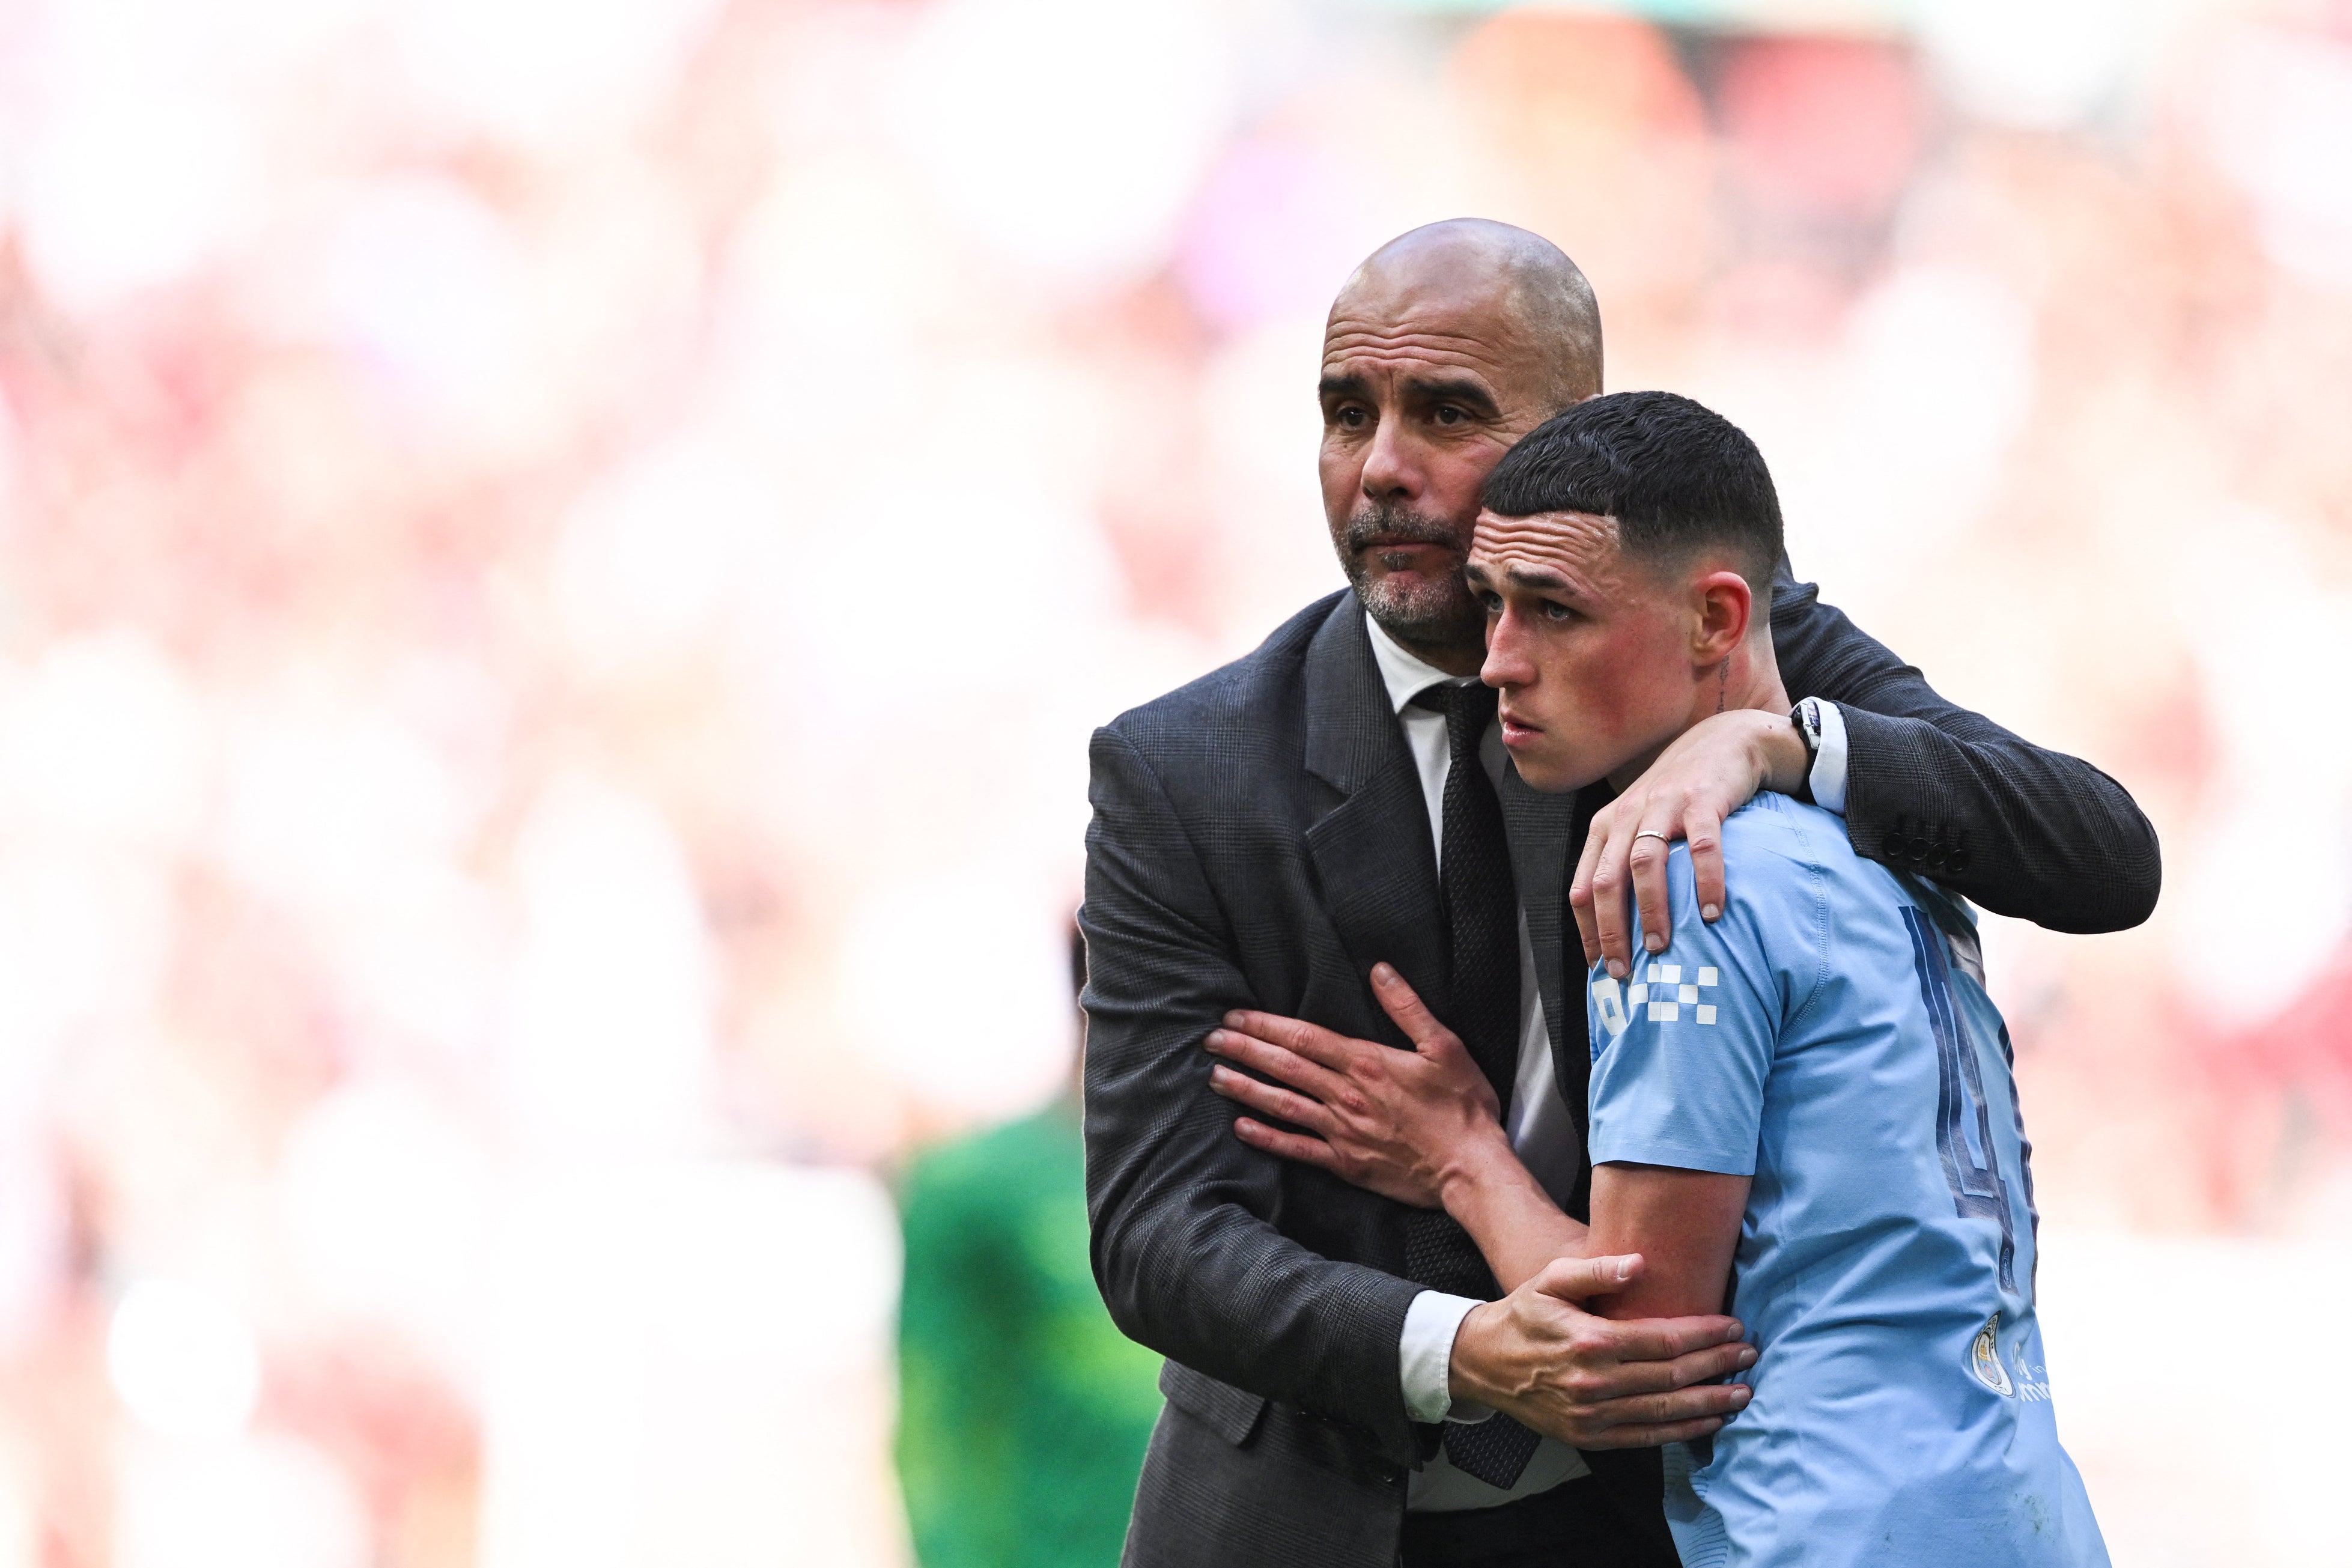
(1482,903)
(1482,919)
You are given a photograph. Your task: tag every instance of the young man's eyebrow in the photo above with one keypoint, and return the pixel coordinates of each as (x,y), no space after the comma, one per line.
(1519,577)
(1552,580)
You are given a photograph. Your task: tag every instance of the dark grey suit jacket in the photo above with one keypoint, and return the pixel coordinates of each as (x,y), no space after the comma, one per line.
(1260,839)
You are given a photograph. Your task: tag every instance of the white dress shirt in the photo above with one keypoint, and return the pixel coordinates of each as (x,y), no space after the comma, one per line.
(1543,1133)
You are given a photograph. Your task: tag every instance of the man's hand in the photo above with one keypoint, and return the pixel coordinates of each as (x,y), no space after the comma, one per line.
(1542,1360)
(1399,1123)
(1710,771)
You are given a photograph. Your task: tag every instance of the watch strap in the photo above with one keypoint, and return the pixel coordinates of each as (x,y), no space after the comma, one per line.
(1806,715)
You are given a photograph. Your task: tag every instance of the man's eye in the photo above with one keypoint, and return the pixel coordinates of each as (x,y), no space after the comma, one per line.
(1350,418)
(1557,612)
(1449,415)
(1490,602)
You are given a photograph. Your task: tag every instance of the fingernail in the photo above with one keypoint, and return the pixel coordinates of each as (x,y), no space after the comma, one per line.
(1746,1393)
(1707,912)
(1232,1020)
(1617,969)
(1654,942)
(1215,1040)
(1624,1269)
(1747,1357)
(1383,974)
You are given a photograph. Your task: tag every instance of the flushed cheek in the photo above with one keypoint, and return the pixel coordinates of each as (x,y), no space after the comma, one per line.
(1616,697)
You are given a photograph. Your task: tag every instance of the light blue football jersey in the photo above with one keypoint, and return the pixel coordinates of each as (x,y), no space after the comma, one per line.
(1830,1037)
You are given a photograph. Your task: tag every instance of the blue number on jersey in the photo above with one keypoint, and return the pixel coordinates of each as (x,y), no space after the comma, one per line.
(1963,1121)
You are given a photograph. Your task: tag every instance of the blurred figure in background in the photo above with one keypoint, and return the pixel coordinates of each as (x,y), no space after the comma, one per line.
(1024,1412)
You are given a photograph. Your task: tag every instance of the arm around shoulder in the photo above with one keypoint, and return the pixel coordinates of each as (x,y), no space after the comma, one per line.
(1935,789)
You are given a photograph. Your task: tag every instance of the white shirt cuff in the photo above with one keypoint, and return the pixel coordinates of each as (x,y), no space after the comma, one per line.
(1426,1358)
(1828,777)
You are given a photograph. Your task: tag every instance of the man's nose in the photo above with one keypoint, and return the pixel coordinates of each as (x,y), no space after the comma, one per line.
(1507,665)
(1390,471)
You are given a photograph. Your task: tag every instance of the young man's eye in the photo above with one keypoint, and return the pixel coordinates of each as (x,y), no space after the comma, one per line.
(1553,611)
(1490,602)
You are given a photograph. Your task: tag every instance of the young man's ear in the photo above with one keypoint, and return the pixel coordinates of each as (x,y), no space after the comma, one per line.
(1726,605)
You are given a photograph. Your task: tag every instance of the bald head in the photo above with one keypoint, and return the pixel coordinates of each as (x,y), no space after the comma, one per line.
(1446,346)
(1551,325)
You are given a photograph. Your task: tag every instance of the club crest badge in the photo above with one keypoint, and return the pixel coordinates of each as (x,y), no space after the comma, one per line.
(1984,1358)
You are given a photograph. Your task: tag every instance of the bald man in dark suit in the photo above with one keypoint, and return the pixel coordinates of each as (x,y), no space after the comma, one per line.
(1339,798)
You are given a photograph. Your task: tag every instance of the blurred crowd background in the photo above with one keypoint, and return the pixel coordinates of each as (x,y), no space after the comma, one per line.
(557,561)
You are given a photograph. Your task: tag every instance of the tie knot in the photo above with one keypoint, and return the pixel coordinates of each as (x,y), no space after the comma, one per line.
(1468,709)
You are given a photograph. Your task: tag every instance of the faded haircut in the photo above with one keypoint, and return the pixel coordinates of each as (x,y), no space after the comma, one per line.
(1678,478)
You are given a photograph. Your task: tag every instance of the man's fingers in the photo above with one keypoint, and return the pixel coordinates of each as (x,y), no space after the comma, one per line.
(1273,1060)
(1647,1413)
(1579,887)
(1629,1379)
(1317,1043)
(1289,1145)
(1635,1378)
(1704,828)
(1576,1278)
(1639,1435)
(1683,1404)
(1642,1421)
(1714,1363)
(1267,1100)
(1647,857)
(1665,1339)
(1588,930)
(1411,1015)
(1611,886)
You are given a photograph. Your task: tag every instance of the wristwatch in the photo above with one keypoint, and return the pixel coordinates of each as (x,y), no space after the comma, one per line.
(1807,717)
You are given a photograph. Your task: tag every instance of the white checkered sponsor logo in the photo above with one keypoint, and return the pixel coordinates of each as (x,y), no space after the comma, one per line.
(1662,994)
(1665,993)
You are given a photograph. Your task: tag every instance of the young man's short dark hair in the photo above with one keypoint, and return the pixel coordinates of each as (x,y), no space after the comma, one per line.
(1676,476)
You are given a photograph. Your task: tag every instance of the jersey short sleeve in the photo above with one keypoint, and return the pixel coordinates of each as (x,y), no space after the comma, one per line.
(1681,1047)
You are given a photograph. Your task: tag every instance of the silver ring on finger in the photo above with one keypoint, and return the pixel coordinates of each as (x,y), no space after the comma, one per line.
(1651,832)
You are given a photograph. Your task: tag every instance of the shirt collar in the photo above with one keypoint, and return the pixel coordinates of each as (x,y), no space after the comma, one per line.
(1406,676)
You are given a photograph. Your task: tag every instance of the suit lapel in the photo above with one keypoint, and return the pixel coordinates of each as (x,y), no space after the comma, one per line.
(1571,1036)
(1372,850)
(1540,825)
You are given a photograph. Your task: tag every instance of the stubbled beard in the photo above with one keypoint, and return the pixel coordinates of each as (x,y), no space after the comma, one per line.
(1408,606)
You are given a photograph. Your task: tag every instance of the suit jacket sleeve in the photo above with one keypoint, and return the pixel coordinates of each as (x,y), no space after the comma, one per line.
(1184,1247)
(1935,789)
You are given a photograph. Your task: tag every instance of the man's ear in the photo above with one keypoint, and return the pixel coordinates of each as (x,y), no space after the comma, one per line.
(1724,605)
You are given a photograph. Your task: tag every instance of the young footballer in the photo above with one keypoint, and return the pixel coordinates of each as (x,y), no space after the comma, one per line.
(1800,1111)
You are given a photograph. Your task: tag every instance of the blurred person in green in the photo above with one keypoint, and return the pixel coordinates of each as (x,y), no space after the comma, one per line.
(1024,1412)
